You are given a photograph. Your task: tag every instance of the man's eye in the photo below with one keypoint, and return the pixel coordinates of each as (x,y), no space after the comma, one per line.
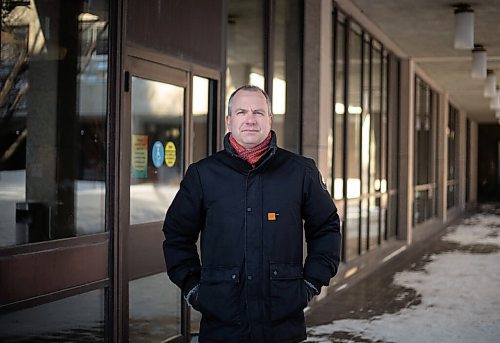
(240,113)
(258,113)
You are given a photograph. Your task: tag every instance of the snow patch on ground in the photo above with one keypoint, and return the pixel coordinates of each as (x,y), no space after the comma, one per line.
(460,296)
(479,229)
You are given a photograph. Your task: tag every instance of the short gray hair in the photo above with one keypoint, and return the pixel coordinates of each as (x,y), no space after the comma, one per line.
(249,88)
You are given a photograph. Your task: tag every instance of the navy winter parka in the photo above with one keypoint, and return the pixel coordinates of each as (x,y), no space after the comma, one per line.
(252,221)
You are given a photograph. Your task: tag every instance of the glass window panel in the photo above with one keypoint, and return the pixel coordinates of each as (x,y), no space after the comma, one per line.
(351,228)
(287,81)
(452,141)
(425,157)
(430,210)
(366,119)
(338,131)
(201,107)
(154,309)
(79,318)
(467,160)
(374,221)
(451,158)
(418,208)
(433,170)
(53,120)
(353,117)
(383,217)
(382,186)
(393,110)
(156,148)
(375,138)
(422,113)
(393,218)
(364,224)
(203,112)
(424,205)
(451,196)
(245,45)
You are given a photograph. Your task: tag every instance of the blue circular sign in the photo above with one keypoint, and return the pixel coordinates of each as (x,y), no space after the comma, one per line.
(158,154)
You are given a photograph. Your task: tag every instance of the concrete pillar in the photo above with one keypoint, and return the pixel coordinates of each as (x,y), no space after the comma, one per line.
(317,84)
(406,141)
(442,158)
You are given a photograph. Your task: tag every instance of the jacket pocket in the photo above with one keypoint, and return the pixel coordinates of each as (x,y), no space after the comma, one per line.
(219,293)
(288,293)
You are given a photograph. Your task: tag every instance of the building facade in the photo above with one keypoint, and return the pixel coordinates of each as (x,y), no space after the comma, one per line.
(105,103)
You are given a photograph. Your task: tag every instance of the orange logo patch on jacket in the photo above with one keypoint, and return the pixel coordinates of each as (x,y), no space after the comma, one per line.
(272,216)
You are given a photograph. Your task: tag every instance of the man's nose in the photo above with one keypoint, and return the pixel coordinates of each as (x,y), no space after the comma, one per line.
(250,118)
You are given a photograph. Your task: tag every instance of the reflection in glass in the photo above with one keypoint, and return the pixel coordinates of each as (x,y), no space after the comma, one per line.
(366,117)
(352,224)
(156,148)
(79,318)
(245,45)
(154,309)
(393,218)
(452,198)
(53,67)
(338,131)
(383,216)
(287,82)
(201,107)
(376,104)
(426,113)
(364,225)
(374,221)
(423,206)
(354,116)
(382,187)
(393,142)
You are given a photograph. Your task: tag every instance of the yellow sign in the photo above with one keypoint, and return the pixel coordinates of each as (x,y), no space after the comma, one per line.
(170,154)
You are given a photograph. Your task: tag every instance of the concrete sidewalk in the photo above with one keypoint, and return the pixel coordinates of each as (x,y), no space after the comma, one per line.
(445,289)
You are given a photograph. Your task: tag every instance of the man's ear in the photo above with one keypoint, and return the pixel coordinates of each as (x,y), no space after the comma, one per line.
(228,119)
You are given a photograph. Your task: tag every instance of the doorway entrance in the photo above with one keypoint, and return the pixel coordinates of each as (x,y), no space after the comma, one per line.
(169,122)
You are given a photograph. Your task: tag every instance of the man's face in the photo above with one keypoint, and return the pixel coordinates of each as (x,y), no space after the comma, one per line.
(249,122)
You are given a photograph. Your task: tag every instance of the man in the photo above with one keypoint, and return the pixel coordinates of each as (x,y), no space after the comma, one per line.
(252,203)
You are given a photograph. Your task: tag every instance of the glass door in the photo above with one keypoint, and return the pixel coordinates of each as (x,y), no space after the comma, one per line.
(169,122)
(153,161)
(156,168)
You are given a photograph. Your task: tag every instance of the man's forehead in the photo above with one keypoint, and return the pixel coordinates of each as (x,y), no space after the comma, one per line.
(244,98)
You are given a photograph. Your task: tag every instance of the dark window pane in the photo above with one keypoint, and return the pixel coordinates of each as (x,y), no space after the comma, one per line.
(452,131)
(287,78)
(54,63)
(375,117)
(374,221)
(426,114)
(245,45)
(338,131)
(79,318)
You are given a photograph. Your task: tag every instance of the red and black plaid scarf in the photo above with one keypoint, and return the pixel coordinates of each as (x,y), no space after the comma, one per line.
(254,154)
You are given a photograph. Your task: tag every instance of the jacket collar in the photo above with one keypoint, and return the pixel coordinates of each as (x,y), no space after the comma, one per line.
(272,151)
